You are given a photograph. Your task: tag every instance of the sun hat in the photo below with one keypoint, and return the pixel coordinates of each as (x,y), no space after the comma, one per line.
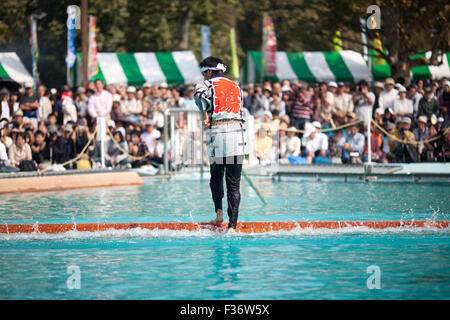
(389,81)
(163,85)
(378,84)
(332,84)
(131,89)
(317,124)
(406,120)
(423,119)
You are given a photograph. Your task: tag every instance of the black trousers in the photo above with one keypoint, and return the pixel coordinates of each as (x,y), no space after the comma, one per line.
(231,167)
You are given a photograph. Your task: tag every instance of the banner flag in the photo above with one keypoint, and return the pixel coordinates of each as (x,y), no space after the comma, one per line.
(206,51)
(269,47)
(34,51)
(92,50)
(235,62)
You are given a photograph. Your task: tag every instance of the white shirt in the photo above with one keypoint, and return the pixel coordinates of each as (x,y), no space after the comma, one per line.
(3,154)
(387,99)
(404,106)
(149,139)
(69,110)
(100,105)
(5,110)
(319,142)
(293,146)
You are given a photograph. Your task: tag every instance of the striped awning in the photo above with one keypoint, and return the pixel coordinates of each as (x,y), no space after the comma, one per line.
(177,67)
(12,67)
(313,66)
(382,70)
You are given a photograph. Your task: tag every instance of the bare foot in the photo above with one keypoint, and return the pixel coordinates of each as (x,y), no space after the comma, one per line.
(219,218)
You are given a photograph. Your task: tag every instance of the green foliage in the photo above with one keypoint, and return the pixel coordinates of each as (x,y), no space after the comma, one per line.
(155,25)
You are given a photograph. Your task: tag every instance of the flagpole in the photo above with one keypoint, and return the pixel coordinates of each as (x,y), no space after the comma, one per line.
(84,39)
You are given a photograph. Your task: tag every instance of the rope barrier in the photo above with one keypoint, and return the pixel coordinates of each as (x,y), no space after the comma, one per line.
(123,150)
(404,140)
(79,155)
(343,126)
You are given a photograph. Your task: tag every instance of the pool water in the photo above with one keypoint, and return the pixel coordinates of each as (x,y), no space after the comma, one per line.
(162,264)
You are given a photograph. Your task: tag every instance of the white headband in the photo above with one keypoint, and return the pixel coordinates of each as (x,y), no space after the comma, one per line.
(219,67)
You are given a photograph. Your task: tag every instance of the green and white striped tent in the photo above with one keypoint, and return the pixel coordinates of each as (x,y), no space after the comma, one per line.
(12,67)
(312,66)
(177,67)
(382,71)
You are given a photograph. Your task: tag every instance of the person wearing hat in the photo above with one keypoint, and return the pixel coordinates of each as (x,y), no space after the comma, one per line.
(29,103)
(316,143)
(402,106)
(421,133)
(131,107)
(221,101)
(18,119)
(388,96)
(150,135)
(404,151)
(428,105)
(63,148)
(293,143)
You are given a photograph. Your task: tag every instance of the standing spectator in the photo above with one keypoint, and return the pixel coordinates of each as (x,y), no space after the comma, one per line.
(277,104)
(352,145)
(131,107)
(428,105)
(388,96)
(378,88)
(100,103)
(302,109)
(68,108)
(343,104)
(363,101)
(444,100)
(402,105)
(45,105)
(81,101)
(415,97)
(29,103)
(323,103)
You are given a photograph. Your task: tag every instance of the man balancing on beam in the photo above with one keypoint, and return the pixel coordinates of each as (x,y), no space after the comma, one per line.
(220,101)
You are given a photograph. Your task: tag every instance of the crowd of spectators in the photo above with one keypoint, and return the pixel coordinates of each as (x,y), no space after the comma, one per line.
(44,129)
(327,122)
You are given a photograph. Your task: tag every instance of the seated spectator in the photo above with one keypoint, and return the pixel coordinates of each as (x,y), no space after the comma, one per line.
(282,139)
(63,147)
(20,150)
(138,149)
(376,144)
(316,143)
(114,155)
(5,164)
(388,117)
(293,143)
(41,151)
(150,134)
(352,145)
(428,105)
(402,105)
(263,145)
(421,133)
(18,119)
(404,151)
(335,150)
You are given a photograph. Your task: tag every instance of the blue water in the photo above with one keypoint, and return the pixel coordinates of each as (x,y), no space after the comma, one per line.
(299,264)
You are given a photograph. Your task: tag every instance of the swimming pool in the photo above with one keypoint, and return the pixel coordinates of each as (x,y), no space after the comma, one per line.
(164,264)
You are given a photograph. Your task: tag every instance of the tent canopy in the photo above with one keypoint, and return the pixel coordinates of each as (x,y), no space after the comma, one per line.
(12,67)
(177,67)
(383,70)
(311,66)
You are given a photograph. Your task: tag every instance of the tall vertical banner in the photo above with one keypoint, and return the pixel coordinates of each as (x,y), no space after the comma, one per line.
(364,39)
(71,52)
(379,60)
(234,58)
(206,51)
(269,66)
(337,41)
(34,50)
(92,51)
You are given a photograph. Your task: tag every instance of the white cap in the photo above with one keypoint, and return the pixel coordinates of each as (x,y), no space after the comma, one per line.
(268,113)
(379,84)
(401,89)
(163,85)
(53,91)
(131,89)
(379,111)
(422,119)
(111,123)
(317,124)
(332,84)
(28,84)
(116,97)
(440,119)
